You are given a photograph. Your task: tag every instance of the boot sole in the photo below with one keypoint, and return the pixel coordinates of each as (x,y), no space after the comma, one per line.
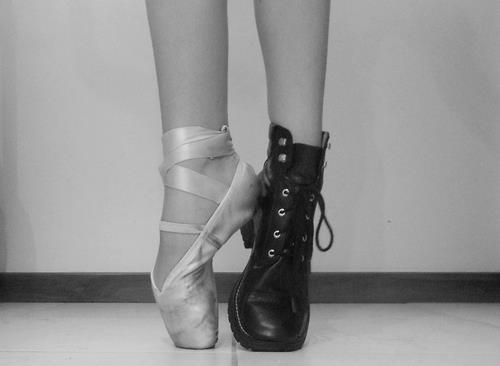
(250,343)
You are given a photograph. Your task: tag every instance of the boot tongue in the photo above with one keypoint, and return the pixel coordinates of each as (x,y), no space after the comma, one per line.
(305,166)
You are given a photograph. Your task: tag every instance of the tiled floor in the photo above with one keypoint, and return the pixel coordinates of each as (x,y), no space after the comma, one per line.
(133,334)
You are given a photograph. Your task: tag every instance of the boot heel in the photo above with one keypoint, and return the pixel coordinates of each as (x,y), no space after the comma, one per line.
(248,234)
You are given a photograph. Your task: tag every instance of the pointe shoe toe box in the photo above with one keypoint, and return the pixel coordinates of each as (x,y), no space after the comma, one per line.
(190,314)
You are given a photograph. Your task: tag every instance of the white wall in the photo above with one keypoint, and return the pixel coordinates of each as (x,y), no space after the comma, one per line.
(413,99)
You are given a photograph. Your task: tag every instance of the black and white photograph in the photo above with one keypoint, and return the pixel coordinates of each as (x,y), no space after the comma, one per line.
(257,182)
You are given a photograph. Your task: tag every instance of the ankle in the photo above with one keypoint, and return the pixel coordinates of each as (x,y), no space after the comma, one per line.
(303,133)
(183,207)
(220,168)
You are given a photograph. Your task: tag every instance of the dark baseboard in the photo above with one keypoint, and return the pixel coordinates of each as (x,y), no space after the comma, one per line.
(325,287)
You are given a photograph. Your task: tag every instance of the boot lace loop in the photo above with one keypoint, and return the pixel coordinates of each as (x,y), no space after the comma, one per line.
(322,219)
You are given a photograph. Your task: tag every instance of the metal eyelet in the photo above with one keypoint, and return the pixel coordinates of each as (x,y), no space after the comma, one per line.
(282,158)
(304,238)
(302,258)
(308,217)
(281,212)
(224,128)
(276,234)
(312,197)
(270,253)
(285,192)
(282,141)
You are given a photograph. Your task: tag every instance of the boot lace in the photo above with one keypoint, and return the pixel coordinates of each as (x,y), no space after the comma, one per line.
(322,219)
(298,250)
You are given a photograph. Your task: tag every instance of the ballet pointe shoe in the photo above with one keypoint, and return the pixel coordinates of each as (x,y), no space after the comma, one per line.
(187,298)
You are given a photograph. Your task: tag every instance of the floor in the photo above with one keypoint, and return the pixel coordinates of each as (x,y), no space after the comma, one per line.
(347,334)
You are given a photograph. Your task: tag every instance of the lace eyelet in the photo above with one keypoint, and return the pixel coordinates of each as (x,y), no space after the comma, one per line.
(302,258)
(270,253)
(224,128)
(282,158)
(307,217)
(282,141)
(276,234)
(312,197)
(285,192)
(281,212)
(304,238)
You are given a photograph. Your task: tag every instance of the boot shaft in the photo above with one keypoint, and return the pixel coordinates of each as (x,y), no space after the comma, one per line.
(293,177)
(302,163)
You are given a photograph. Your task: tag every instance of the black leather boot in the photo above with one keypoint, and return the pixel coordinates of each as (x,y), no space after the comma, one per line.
(269,305)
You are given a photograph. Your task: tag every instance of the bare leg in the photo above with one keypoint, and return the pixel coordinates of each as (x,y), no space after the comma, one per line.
(294,39)
(190,48)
